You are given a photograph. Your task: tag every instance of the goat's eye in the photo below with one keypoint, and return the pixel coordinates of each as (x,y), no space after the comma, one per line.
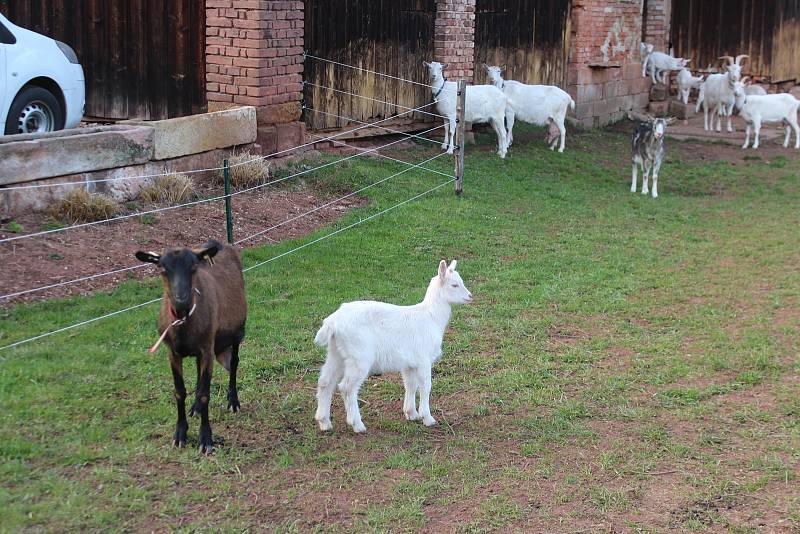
(454,285)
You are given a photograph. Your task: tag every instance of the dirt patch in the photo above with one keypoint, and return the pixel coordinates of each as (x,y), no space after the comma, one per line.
(73,254)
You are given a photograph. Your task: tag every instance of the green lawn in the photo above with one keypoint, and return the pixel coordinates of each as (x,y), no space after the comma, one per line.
(630,364)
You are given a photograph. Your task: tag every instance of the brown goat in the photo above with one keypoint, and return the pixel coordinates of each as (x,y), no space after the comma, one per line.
(203,314)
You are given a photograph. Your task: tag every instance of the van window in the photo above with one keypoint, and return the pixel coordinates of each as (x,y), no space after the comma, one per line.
(6,37)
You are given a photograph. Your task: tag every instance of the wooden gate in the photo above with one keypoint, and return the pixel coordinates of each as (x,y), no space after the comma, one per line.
(769,32)
(143,59)
(389,36)
(529,37)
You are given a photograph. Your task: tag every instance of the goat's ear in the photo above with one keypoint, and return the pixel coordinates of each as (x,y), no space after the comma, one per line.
(147,257)
(209,250)
(669,120)
(503,68)
(452,266)
(442,270)
(744,79)
(426,63)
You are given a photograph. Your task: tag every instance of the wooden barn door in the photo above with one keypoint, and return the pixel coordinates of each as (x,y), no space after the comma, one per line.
(143,59)
(529,37)
(704,30)
(389,36)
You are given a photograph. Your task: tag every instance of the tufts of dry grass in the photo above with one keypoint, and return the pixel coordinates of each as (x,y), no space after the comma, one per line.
(246,170)
(81,206)
(171,189)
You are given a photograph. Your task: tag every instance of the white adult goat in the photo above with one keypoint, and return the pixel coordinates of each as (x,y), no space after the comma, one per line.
(687,82)
(717,93)
(543,105)
(374,337)
(757,109)
(659,64)
(485,103)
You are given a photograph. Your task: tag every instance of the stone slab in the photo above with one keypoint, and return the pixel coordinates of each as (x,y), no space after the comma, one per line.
(195,134)
(682,111)
(36,156)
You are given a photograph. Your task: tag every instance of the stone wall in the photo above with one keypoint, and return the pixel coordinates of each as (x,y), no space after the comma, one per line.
(604,76)
(254,56)
(454,38)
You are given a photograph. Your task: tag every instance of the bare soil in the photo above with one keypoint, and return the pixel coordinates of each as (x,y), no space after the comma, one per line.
(72,254)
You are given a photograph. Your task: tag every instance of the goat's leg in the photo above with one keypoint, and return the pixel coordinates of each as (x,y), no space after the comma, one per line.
(182,426)
(499,128)
(796,129)
(746,135)
(446,134)
(410,399)
(634,173)
(510,117)
(451,135)
(656,168)
(757,128)
(205,365)
(787,136)
(233,392)
(562,130)
(645,177)
(718,115)
(424,379)
(349,387)
(705,116)
(330,374)
(729,113)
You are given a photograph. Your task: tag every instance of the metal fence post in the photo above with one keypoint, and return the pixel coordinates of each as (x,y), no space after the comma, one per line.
(226,173)
(461,104)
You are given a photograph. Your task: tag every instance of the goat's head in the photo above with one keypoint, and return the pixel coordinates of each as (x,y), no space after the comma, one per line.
(683,62)
(178,267)
(645,49)
(734,66)
(660,125)
(435,69)
(452,285)
(495,73)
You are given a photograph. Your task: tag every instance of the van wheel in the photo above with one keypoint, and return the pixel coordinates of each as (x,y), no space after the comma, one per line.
(34,110)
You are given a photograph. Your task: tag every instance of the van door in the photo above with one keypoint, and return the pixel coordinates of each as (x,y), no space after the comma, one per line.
(3,102)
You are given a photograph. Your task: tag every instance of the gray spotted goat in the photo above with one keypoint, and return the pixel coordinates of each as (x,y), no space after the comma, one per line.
(648,149)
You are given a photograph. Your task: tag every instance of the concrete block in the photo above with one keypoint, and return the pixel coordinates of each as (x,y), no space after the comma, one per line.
(35,156)
(658,93)
(290,135)
(680,110)
(590,93)
(659,108)
(200,133)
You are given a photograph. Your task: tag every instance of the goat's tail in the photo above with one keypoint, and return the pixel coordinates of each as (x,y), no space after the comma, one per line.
(571,104)
(324,335)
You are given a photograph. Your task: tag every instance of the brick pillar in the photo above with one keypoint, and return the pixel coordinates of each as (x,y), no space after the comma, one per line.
(254,57)
(604,76)
(454,38)
(657,24)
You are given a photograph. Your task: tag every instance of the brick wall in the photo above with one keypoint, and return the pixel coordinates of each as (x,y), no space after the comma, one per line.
(657,24)
(254,56)
(454,38)
(604,76)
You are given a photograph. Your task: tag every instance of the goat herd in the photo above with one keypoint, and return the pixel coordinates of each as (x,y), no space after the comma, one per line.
(502,102)
(203,309)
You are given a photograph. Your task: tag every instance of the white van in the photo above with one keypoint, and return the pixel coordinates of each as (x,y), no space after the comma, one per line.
(42,85)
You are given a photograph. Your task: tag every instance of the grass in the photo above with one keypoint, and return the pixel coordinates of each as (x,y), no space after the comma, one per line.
(629,365)
(246,170)
(81,206)
(171,189)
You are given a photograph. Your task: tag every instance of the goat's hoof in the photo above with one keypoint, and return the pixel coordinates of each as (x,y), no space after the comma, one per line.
(325,425)
(233,402)
(194,410)
(450,152)
(179,440)
(359,428)
(429,421)
(412,416)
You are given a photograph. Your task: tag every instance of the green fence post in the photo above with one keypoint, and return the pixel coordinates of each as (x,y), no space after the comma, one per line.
(228,209)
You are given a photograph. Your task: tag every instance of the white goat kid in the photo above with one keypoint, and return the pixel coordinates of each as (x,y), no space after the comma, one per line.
(374,337)
(660,64)
(753,89)
(717,94)
(543,105)
(484,103)
(687,82)
(757,109)
(645,50)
